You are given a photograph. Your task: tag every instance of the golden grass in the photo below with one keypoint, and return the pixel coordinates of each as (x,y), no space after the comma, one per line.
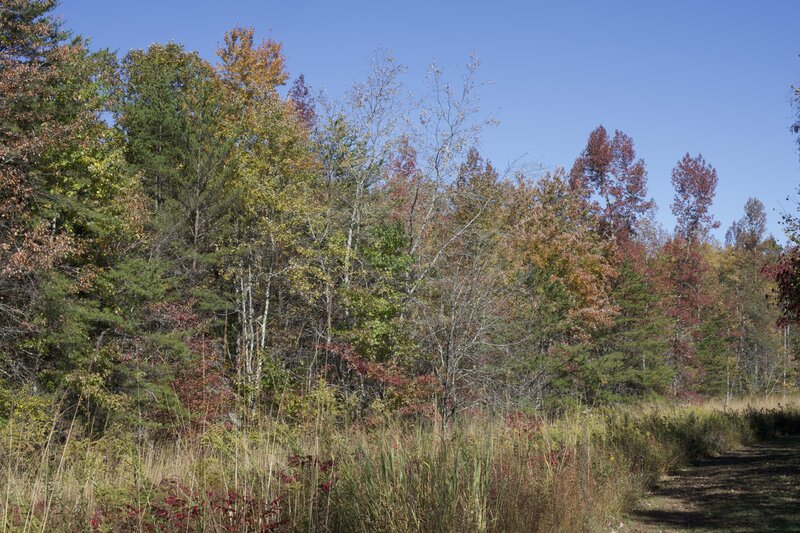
(484,473)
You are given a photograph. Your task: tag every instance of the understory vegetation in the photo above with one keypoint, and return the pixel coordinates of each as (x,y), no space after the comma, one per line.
(231,303)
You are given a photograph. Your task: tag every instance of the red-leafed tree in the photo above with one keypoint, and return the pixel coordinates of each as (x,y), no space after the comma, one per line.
(683,267)
(681,273)
(786,274)
(303,101)
(695,183)
(404,185)
(609,170)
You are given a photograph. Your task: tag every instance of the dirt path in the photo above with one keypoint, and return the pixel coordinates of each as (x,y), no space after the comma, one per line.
(750,490)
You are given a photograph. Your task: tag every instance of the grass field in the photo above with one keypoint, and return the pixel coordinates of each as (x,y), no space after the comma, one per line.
(519,472)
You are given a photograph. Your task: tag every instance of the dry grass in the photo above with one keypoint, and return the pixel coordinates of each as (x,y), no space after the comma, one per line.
(486,473)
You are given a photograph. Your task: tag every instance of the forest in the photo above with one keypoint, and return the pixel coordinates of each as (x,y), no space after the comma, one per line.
(230,303)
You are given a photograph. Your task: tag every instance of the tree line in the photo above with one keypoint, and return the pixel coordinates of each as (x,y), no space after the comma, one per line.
(182,241)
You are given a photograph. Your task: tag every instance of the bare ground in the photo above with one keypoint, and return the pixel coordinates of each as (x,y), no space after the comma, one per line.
(754,489)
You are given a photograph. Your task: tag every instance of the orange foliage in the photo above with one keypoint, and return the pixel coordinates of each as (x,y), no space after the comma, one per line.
(554,230)
(257,70)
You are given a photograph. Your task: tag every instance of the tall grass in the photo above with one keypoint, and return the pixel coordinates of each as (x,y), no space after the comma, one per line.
(484,473)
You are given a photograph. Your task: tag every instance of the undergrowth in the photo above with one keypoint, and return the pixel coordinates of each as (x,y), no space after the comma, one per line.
(483,473)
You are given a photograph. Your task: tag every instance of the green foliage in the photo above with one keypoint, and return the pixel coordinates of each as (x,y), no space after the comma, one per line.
(375,324)
(714,350)
(627,359)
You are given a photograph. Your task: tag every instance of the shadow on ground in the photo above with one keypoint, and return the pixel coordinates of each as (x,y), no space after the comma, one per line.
(751,490)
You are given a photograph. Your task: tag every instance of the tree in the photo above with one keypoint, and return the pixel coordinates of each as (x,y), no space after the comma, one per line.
(695,184)
(477,188)
(564,276)
(608,168)
(36,118)
(748,232)
(610,179)
(254,71)
(683,269)
(627,359)
(66,205)
(271,244)
(303,101)
(73,274)
(747,294)
(461,308)
(786,272)
(172,113)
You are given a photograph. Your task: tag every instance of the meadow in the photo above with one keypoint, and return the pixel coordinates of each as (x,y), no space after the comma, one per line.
(580,472)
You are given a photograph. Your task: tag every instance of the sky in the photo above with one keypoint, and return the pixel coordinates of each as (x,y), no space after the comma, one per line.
(710,77)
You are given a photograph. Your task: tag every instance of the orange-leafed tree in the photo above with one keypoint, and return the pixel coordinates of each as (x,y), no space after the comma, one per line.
(255,69)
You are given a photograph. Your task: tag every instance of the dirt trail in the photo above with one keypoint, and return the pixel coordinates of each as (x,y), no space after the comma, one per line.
(754,489)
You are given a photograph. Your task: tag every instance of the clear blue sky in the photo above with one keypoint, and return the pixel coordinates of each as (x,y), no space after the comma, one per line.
(677,76)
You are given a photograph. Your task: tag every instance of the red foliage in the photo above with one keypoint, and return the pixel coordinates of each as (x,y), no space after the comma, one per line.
(175,315)
(176,507)
(200,384)
(301,98)
(476,172)
(523,425)
(609,169)
(403,182)
(308,467)
(680,279)
(695,184)
(683,269)
(786,273)
(561,456)
(410,395)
